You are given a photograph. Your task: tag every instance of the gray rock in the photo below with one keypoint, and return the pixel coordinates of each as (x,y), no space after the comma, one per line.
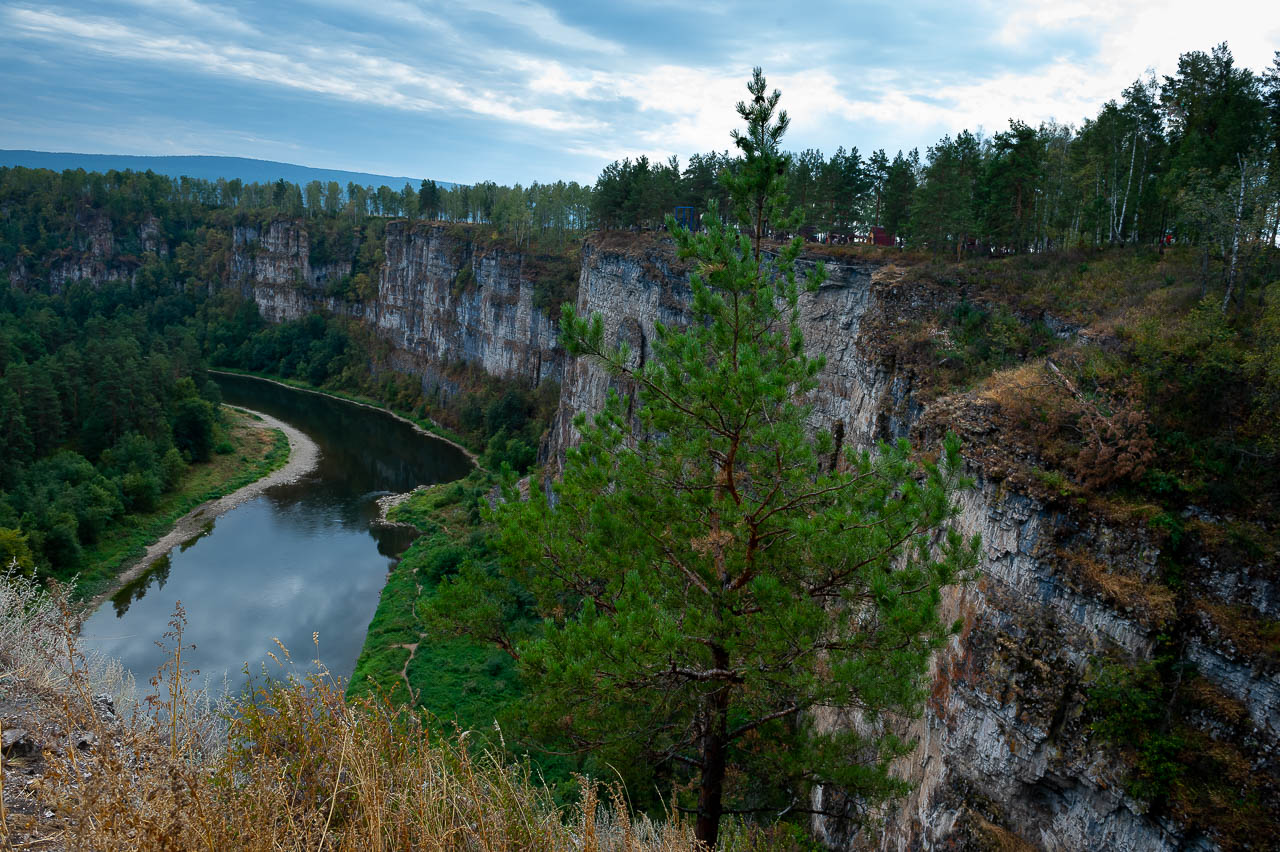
(18,744)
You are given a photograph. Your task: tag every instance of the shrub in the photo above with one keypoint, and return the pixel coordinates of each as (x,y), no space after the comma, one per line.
(193,423)
(1128,707)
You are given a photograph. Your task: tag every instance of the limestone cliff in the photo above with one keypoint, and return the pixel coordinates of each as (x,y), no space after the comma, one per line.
(637,281)
(94,254)
(1006,758)
(439,298)
(272,266)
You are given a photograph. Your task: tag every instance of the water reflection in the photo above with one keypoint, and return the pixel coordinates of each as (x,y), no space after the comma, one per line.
(302,557)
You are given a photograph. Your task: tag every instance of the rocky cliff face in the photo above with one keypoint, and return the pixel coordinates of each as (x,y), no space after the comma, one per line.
(272,266)
(639,282)
(443,300)
(439,300)
(1006,759)
(94,255)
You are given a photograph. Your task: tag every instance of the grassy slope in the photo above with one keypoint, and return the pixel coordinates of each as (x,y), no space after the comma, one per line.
(256,452)
(456,679)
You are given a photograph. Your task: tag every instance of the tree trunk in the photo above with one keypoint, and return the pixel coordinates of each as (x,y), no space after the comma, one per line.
(1164,226)
(1118,228)
(1235,238)
(1275,226)
(715,745)
(1137,202)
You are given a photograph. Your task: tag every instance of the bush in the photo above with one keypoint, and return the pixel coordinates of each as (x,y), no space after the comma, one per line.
(141,491)
(15,553)
(193,422)
(513,451)
(1129,710)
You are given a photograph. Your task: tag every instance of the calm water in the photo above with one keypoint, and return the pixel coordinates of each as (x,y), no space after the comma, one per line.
(300,558)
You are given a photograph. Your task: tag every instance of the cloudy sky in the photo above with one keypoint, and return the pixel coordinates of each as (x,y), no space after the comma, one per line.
(519,90)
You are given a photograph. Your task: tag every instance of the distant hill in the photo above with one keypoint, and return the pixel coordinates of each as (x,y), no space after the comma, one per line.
(208,168)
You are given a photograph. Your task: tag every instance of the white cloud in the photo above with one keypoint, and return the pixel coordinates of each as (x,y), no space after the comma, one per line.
(204,15)
(543,23)
(618,96)
(401,15)
(1129,40)
(346,74)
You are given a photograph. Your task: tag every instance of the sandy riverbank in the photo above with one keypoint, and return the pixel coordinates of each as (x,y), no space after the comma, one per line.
(468,453)
(303,455)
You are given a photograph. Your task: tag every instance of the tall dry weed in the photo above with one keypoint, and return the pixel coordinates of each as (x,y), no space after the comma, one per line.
(292,765)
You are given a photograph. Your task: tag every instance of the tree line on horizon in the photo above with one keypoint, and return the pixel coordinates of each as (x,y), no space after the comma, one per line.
(1193,157)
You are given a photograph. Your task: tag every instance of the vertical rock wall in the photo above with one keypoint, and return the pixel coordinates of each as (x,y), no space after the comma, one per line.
(639,283)
(439,301)
(94,255)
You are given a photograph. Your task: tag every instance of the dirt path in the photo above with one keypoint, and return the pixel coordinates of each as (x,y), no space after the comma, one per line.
(303,455)
(412,648)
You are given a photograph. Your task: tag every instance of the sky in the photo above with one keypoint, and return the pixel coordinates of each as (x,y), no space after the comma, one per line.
(519,90)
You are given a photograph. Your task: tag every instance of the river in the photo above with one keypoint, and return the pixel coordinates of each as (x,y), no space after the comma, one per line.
(302,558)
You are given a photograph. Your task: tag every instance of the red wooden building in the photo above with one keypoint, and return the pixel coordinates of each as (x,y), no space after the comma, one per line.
(880,237)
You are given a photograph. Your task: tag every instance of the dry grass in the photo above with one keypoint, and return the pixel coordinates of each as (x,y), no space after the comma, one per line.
(1252,633)
(1205,696)
(293,766)
(34,649)
(1150,599)
(1099,435)
(999,839)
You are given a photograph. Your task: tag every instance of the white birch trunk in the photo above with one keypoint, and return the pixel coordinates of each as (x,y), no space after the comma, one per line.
(1235,237)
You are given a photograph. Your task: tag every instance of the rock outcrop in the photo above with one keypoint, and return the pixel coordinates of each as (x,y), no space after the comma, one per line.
(439,299)
(272,266)
(95,257)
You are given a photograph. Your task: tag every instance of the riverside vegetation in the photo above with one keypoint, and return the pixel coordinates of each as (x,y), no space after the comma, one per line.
(108,438)
(1097,347)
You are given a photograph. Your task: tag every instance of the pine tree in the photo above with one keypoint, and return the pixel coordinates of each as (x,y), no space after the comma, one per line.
(706,581)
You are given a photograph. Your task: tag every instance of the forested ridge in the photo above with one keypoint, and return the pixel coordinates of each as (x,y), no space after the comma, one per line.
(104,404)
